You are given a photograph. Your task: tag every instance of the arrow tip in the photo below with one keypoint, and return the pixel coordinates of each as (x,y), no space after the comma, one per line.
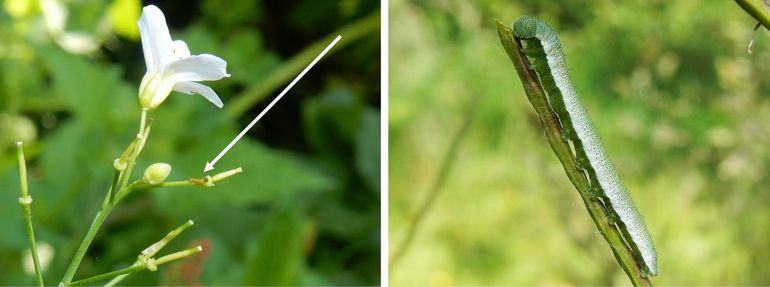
(209,166)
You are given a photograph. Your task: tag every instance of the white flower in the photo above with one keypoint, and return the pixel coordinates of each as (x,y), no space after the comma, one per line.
(170,65)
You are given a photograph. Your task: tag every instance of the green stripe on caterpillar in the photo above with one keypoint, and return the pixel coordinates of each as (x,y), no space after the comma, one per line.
(544,49)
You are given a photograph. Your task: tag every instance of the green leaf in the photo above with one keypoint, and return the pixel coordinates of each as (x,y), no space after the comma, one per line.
(331,121)
(277,257)
(73,172)
(247,60)
(368,148)
(95,93)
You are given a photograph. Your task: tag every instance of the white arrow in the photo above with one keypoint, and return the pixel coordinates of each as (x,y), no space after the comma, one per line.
(210,165)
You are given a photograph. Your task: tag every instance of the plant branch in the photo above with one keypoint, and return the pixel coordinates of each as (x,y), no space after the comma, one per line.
(95,225)
(205,181)
(150,251)
(89,280)
(26,206)
(759,9)
(149,264)
(534,91)
(141,139)
(444,169)
(260,90)
(119,186)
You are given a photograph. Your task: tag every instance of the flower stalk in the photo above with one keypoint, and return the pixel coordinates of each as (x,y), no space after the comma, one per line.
(150,251)
(149,264)
(170,67)
(26,206)
(157,246)
(207,181)
(127,161)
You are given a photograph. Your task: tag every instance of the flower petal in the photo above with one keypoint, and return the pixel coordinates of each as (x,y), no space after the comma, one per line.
(203,90)
(156,40)
(204,67)
(180,50)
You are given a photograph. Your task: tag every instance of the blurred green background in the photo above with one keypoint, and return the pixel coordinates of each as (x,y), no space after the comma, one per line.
(304,211)
(682,107)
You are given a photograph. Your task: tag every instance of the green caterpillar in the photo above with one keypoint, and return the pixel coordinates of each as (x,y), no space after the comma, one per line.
(544,49)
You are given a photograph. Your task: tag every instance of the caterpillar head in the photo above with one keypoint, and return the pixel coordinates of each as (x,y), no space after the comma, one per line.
(525,27)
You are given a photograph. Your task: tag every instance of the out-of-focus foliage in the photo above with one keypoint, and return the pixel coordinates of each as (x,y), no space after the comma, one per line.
(304,211)
(682,108)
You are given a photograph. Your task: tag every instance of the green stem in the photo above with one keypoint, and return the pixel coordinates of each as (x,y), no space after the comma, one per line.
(152,250)
(95,225)
(141,140)
(206,181)
(157,246)
(134,149)
(446,166)
(87,281)
(113,186)
(119,278)
(758,9)
(177,183)
(253,94)
(596,209)
(142,122)
(26,205)
(178,255)
(149,264)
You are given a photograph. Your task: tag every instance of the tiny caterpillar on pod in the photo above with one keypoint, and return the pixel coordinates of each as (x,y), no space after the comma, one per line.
(544,48)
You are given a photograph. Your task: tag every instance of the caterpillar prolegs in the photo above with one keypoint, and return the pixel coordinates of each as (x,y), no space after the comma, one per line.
(544,50)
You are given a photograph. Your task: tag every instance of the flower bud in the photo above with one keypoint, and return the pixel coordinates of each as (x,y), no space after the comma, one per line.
(157,173)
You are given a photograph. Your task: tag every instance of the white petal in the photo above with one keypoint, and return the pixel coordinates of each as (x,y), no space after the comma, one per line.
(180,50)
(203,67)
(156,41)
(203,90)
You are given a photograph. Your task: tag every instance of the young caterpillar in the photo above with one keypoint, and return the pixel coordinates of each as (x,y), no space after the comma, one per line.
(544,49)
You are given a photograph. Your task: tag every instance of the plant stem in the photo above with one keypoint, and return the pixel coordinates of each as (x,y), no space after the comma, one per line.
(446,166)
(141,140)
(132,269)
(26,205)
(138,267)
(177,183)
(120,277)
(95,225)
(260,90)
(178,255)
(123,189)
(101,216)
(758,9)
(142,122)
(206,181)
(534,91)
(152,250)
(157,246)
